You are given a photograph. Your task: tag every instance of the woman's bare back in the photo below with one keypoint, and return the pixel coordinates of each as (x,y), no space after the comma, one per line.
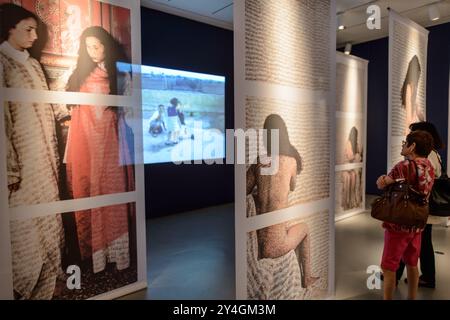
(273,190)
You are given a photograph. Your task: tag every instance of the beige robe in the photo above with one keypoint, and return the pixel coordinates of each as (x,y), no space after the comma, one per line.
(32,161)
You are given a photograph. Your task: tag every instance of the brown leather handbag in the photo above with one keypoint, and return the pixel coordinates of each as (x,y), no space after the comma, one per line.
(401,204)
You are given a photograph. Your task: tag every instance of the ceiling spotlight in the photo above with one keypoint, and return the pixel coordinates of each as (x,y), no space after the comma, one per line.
(340,22)
(348,48)
(433,12)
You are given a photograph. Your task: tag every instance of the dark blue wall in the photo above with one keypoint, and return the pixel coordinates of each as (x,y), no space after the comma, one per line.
(377,52)
(438,80)
(173,42)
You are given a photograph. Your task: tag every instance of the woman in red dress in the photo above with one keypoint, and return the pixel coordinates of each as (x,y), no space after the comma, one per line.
(98,157)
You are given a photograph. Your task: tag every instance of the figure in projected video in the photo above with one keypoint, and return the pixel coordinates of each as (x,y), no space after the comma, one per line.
(409,94)
(272,194)
(185,133)
(98,153)
(173,122)
(157,121)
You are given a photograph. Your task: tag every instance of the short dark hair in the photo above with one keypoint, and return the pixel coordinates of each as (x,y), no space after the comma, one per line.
(10,16)
(423,141)
(431,129)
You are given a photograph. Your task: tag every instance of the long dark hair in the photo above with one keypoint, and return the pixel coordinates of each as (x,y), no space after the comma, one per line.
(353,138)
(275,122)
(412,77)
(11,15)
(114,52)
(431,129)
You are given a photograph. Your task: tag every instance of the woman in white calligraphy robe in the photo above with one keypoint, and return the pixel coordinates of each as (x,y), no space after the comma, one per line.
(32,161)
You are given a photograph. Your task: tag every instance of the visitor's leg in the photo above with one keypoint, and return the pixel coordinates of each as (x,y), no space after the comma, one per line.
(413,281)
(395,244)
(427,262)
(389,284)
(411,258)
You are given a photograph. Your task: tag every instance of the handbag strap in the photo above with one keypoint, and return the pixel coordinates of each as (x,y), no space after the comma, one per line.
(416,172)
(424,197)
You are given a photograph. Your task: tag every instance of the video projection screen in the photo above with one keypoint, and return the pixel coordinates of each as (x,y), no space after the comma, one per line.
(183,115)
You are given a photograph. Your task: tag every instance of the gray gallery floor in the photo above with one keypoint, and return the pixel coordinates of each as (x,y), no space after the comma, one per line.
(191,256)
(359,244)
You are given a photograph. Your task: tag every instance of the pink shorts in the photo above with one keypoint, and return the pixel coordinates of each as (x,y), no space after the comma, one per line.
(400,245)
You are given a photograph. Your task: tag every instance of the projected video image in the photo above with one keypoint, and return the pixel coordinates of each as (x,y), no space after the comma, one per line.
(183,115)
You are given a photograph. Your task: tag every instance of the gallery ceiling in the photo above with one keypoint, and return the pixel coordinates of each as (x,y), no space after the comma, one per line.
(353,15)
(352,12)
(215,12)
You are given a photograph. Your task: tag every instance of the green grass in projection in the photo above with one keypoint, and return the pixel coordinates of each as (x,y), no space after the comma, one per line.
(199,102)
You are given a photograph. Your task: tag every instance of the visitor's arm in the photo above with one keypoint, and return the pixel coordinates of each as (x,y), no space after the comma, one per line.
(383,181)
